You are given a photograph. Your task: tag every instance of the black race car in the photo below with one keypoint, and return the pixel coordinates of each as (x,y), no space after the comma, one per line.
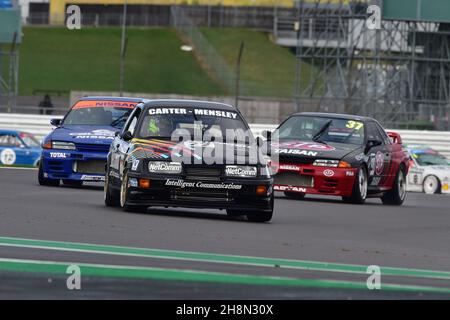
(182,153)
(339,155)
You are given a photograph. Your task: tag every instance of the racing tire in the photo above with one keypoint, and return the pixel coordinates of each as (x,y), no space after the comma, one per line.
(294,195)
(110,195)
(72,183)
(396,196)
(431,184)
(44,181)
(262,216)
(123,198)
(359,191)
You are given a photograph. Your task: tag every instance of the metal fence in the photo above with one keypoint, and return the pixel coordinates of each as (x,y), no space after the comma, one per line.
(260,18)
(214,61)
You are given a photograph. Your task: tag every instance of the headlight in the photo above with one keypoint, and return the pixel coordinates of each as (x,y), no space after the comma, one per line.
(63,145)
(326,163)
(241,171)
(265,171)
(164,167)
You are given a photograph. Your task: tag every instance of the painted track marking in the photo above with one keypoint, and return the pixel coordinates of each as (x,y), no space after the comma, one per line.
(102,270)
(217,258)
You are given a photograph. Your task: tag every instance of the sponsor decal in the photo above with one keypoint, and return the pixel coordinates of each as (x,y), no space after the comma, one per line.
(328,173)
(92,178)
(95,134)
(132,182)
(349,173)
(8,156)
(290,167)
(312,146)
(58,155)
(135,165)
(104,104)
(202,185)
(379,163)
(240,171)
(416,179)
(289,188)
(296,152)
(155,111)
(160,166)
(215,113)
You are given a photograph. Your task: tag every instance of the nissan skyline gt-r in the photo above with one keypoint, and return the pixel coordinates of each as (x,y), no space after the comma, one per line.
(429,170)
(148,164)
(76,150)
(339,155)
(19,148)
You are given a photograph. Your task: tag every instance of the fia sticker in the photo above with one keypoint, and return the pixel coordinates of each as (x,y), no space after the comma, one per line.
(8,157)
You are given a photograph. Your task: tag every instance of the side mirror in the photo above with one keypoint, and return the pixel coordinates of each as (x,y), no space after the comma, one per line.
(127,136)
(55,122)
(372,143)
(395,137)
(267,134)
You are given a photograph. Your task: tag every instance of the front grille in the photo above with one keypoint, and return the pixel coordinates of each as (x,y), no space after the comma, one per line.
(331,183)
(202,173)
(293,179)
(88,147)
(295,159)
(55,165)
(90,167)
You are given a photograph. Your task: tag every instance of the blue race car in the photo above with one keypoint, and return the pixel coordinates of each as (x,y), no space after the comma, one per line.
(18,148)
(76,150)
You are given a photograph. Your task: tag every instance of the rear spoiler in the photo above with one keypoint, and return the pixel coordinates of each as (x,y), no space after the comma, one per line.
(395,137)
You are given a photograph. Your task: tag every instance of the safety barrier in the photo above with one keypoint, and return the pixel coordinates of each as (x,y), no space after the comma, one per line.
(39,125)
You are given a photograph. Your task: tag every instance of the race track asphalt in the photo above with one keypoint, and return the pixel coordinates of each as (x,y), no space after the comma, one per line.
(314,234)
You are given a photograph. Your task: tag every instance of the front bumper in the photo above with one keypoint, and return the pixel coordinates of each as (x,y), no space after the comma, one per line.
(311,179)
(74,165)
(193,195)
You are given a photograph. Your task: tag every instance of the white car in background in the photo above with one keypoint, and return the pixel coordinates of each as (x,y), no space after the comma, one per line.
(429,170)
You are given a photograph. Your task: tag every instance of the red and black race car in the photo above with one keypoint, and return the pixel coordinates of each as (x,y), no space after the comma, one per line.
(340,155)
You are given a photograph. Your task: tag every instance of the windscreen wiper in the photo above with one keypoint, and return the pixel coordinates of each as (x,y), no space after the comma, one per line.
(322,130)
(119,119)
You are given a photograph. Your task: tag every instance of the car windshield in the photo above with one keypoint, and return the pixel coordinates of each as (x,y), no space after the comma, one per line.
(163,122)
(429,158)
(29,140)
(322,129)
(100,113)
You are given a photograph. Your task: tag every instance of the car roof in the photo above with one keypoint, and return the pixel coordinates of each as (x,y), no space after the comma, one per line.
(334,115)
(189,103)
(8,131)
(127,99)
